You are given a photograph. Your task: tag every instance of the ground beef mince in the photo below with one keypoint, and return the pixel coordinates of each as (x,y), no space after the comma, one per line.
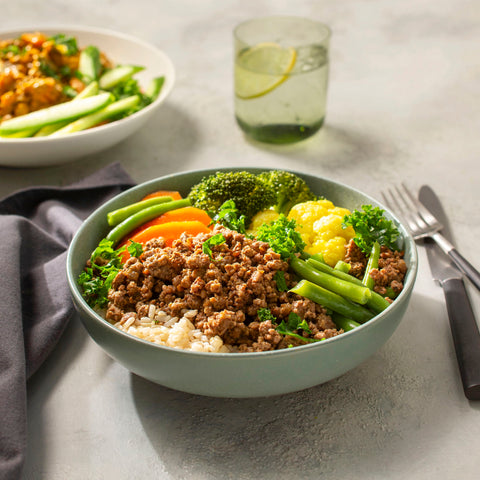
(390,272)
(388,276)
(226,289)
(356,258)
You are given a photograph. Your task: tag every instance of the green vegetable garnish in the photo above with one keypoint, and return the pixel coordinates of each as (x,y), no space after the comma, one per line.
(106,262)
(127,88)
(69,42)
(229,217)
(47,69)
(217,239)
(282,237)
(265,314)
(371,226)
(293,323)
(134,249)
(281,282)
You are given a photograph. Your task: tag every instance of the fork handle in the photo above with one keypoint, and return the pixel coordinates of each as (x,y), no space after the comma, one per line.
(465,334)
(465,266)
(458,259)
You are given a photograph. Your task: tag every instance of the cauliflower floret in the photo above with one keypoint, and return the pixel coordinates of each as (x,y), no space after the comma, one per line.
(320,225)
(265,216)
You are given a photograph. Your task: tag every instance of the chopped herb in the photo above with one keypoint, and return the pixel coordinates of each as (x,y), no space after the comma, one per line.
(265,314)
(128,88)
(69,91)
(69,43)
(282,237)
(135,249)
(65,71)
(295,323)
(47,69)
(217,239)
(96,280)
(228,216)
(15,49)
(281,282)
(371,226)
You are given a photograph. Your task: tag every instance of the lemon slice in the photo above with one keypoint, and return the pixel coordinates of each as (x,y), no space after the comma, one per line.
(260,69)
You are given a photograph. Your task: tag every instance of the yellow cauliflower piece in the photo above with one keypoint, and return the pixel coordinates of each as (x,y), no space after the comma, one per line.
(320,225)
(265,216)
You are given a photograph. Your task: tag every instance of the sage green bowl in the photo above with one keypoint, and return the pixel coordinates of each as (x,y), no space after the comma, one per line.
(236,374)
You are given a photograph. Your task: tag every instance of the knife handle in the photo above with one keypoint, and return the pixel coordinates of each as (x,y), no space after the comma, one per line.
(466,267)
(466,336)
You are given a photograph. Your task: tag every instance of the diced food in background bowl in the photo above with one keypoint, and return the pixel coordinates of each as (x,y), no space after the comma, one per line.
(67,92)
(46,80)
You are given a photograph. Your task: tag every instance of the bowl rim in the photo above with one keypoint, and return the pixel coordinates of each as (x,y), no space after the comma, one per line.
(71,28)
(408,285)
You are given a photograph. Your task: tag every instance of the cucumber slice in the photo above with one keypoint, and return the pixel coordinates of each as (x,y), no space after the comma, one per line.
(90,90)
(117,75)
(89,65)
(57,113)
(20,134)
(154,88)
(93,119)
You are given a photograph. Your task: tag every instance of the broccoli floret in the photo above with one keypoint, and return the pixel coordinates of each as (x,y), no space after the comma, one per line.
(250,193)
(290,189)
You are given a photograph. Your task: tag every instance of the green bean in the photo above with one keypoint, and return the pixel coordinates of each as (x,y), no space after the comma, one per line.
(372,263)
(119,215)
(342,266)
(356,293)
(332,301)
(323,267)
(344,323)
(376,302)
(137,219)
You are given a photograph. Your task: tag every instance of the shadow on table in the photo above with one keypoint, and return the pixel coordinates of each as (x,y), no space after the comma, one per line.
(368,420)
(333,147)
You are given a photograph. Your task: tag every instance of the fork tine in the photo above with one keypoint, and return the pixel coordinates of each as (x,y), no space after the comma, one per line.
(404,210)
(411,208)
(429,219)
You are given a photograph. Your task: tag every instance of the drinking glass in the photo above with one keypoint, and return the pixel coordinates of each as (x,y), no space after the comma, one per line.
(281,77)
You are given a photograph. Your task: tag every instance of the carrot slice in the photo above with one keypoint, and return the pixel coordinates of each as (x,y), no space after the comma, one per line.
(164,193)
(168,231)
(178,215)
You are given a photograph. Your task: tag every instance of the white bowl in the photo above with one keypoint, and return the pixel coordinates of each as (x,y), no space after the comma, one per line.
(121,49)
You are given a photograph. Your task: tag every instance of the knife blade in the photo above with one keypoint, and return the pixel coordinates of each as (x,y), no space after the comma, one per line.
(465,333)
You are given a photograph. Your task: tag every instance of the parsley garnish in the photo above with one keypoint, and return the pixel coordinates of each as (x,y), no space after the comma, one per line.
(217,239)
(293,323)
(229,217)
(69,42)
(371,226)
(282,237)
(265,314)
(105,263)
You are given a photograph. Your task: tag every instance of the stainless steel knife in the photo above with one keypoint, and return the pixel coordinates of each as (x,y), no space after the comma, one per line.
(465,333)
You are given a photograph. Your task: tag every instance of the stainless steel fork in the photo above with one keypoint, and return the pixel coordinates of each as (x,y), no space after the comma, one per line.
(421,223)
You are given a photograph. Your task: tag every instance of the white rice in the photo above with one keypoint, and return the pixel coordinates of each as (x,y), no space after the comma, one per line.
(158,327)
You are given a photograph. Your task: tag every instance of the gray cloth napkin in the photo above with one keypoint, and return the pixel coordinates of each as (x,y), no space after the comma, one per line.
(37,226)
